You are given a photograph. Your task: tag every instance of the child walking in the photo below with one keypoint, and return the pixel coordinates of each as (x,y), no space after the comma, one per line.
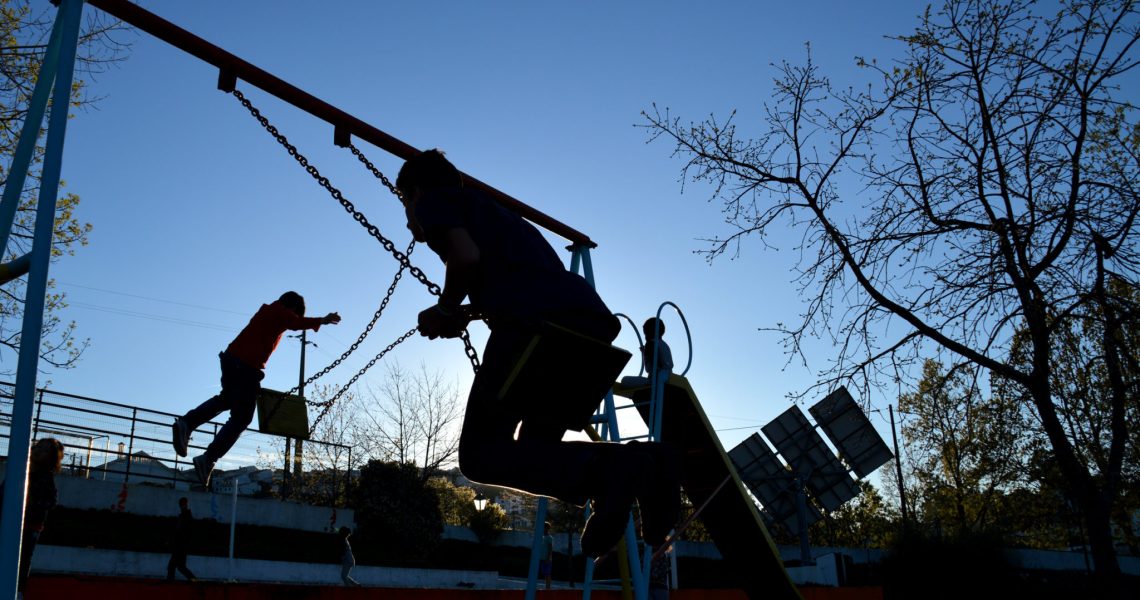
(347,560)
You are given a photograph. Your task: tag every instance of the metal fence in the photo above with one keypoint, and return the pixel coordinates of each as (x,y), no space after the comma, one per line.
(117,442)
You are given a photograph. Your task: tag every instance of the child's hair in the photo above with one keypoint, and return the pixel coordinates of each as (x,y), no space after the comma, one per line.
(47,455)
(428,170)
(293,301)
(649,325)
(344,532)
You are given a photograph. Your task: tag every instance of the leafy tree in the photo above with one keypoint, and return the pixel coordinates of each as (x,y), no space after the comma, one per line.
(866,521)
(25,27)
(489,522)
(456,504)
(985,185)
(1084,395)
(396,510)
(965,450)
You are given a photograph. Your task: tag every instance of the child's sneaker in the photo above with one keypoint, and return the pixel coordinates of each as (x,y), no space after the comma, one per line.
(203,468)
(180,434)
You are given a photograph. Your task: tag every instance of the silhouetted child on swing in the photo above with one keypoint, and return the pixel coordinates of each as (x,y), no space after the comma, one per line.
(243,364)
(515,280)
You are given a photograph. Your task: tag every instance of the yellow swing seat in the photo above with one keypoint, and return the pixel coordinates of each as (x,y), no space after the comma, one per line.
(282,414)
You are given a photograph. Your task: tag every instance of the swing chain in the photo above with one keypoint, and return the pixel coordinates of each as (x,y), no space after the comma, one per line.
(327,404)
(358,216)
(376,172)
(360,339)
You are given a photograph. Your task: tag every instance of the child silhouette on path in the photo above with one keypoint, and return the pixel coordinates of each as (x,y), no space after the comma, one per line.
(180,544)
(515,279)
(347,560)
(243,364)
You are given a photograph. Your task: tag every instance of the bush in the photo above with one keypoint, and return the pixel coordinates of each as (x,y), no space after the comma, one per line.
(487,523)
(397,513)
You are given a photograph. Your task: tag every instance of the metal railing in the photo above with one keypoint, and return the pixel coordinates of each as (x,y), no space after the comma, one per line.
(118,442)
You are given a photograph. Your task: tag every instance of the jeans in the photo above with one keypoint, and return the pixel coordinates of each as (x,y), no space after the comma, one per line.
(241,384)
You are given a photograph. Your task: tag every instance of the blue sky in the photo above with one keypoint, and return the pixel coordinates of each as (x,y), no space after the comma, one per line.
(199,217)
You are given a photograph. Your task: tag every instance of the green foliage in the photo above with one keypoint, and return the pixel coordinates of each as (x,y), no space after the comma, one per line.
(695,531)
(964,450)
(489,522)
(866,521)
(24,30)
(395,509)
(456,504)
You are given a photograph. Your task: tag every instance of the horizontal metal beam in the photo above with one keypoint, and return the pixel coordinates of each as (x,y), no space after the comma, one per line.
(170,33)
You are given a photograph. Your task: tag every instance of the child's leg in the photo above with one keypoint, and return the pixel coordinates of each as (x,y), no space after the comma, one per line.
(219,403)
(240,387)
(539,462)
(206,411)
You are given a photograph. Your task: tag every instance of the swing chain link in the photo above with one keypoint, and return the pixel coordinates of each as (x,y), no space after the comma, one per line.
(360,339)
(359,217)
(371,167)
(327,405)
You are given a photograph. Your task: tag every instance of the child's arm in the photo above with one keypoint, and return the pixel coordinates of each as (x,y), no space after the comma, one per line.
(462,259)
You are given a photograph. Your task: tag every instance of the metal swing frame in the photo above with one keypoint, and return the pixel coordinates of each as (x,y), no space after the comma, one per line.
(55,80)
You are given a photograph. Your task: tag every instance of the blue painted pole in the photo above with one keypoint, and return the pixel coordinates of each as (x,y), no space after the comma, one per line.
(26,145)
(536,548)
(11,522)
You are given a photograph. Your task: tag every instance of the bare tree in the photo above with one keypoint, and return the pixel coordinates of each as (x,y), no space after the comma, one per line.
(984,185)
(413,417)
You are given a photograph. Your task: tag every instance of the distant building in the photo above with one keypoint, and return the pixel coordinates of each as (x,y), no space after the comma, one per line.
(142,468)
(250,481)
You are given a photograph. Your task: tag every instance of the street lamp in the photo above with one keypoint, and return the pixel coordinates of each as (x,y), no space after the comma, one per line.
(480,501)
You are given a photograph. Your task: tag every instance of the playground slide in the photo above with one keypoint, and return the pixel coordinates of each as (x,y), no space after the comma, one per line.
(731,517)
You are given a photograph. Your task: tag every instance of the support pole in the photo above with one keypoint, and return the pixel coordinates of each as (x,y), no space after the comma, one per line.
(233,524)
(536,548)
(65,35)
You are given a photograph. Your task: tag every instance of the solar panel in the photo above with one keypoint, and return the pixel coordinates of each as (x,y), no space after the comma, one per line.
(797,441)
(770,481)
(840,417)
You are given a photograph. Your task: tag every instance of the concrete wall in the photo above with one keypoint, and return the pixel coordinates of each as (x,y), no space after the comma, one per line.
(76,492)
(115,563)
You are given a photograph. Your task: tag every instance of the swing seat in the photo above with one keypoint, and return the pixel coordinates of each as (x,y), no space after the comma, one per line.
(562,376)
(282,414)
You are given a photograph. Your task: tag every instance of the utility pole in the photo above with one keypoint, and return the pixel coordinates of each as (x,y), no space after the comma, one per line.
(294,457)
(898,469)
(297,454)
